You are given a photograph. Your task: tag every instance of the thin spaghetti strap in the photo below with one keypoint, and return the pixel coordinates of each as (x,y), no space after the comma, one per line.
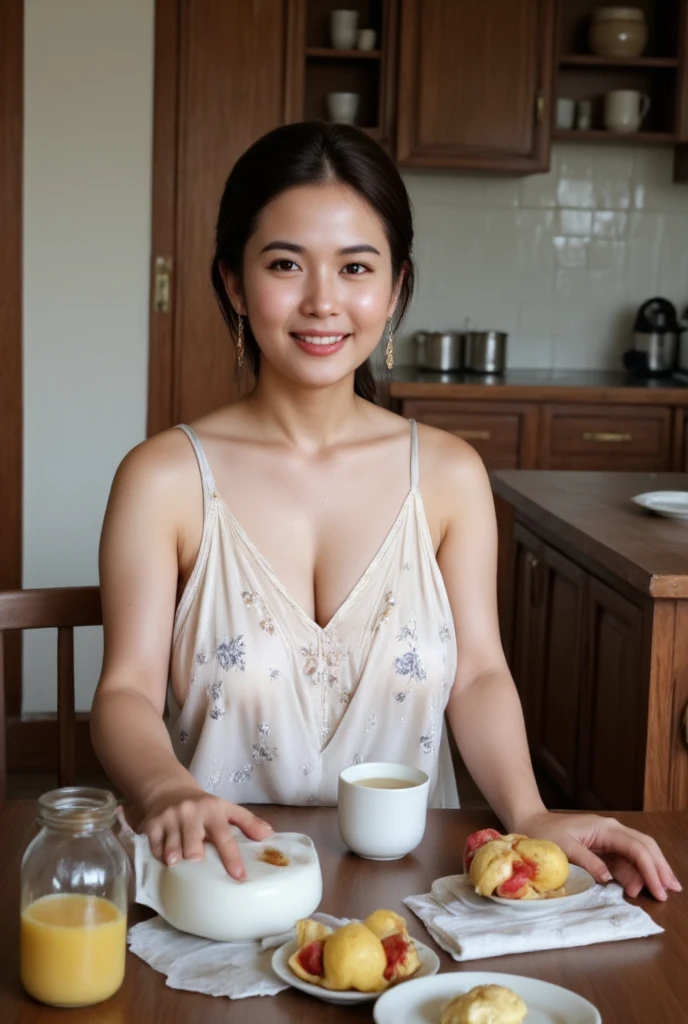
(203,465)
(414,454)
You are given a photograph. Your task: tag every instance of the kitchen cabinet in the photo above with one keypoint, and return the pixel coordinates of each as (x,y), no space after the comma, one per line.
(598,596)
(598,437)
(611,703)
(475,84)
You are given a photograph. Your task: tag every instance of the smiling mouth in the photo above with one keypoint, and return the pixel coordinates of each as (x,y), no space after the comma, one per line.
(320,340)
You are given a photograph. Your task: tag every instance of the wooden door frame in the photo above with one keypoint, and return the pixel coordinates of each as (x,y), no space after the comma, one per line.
(168,116)
(11,395)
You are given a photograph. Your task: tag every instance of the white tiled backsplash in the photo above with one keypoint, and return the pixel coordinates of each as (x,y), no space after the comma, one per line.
(560,260)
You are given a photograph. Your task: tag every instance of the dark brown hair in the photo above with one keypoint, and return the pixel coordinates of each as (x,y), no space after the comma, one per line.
(311,153)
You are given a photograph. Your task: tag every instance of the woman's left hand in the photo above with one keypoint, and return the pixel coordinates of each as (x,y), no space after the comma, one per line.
(607,849)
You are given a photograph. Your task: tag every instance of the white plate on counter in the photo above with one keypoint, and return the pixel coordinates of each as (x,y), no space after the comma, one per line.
(577,885)
(429,965)
(672,504)
(421,1001)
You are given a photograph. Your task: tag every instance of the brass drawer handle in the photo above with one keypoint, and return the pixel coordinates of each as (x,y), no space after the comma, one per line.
(601,437)
(474,435)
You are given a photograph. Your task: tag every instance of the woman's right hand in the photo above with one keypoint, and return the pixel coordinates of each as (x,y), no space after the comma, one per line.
(179,821)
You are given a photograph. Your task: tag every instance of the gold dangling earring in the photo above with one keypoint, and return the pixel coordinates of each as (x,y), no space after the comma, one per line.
(389,350)
(240,351)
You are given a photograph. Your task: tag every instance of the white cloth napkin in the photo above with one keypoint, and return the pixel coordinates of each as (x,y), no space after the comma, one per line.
(470,927)
(233,969)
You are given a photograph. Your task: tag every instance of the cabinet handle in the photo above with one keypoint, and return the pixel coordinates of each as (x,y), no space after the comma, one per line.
(539,105)
(474,435)
(602,437)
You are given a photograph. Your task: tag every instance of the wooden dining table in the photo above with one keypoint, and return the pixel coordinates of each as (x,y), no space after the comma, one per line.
(637,981)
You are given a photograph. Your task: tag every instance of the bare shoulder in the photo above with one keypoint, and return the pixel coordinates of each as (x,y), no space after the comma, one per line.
(448,461)
(161,467)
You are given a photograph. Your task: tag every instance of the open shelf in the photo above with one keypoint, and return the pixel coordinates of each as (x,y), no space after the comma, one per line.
(602,135)
(329,53)
(588,60)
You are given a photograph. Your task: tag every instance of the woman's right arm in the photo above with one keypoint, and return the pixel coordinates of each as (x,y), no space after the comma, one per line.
(148,510)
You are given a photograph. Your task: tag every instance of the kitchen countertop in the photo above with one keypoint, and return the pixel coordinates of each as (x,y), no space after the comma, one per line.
(540,385)
(591,514)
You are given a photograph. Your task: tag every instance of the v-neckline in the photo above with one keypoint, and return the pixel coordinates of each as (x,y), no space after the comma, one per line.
(279,586)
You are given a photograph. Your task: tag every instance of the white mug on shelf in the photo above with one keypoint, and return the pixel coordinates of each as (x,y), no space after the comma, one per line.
(625,110)
(343,106)
(344,29)
(366,38)
(566,109)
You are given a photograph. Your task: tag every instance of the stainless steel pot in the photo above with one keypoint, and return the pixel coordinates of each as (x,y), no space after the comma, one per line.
(439,350)
(486,351)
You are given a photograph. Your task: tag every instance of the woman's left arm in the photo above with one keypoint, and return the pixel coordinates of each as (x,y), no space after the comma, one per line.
(484,710)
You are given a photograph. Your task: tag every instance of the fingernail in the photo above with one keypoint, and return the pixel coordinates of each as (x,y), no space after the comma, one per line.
(239,874)
(606,876)
(172,858)
(194,856)
(265,823)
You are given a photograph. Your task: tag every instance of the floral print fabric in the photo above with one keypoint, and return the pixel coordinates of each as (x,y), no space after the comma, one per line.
(268,707)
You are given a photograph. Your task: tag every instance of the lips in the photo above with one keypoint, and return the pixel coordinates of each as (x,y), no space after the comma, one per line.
(319,343)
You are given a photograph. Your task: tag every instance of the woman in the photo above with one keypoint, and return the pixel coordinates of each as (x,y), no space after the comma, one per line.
(356,602)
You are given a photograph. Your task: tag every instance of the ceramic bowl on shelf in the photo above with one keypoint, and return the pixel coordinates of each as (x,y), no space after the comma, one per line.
(283,883)
(618,32)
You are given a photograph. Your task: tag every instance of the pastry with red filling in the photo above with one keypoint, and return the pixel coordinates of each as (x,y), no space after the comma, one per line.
(514,866)
(368,956)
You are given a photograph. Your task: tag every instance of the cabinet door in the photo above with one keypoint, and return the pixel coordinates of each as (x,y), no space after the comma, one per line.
(475,82)
(554,731)
(525,602)
(612,730)
(614,438)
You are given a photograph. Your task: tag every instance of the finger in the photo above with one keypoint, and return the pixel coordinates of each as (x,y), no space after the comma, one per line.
(156,836)
(192,841)
(585,858)
(172,845)
(626,842)
(250,825)
(226,846)
(628,876)
(666,875)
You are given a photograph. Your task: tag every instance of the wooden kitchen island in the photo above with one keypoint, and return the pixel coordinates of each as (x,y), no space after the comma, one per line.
(597,634)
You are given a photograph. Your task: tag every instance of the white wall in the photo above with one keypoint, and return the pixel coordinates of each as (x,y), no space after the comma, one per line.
(87,171)
(560,260)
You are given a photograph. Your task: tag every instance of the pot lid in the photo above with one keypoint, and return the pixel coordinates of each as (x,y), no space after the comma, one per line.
(618,14)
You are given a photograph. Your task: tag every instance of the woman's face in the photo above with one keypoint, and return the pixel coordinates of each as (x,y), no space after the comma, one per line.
(317,283)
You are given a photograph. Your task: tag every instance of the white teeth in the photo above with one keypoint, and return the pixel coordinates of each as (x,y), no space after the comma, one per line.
(328,339)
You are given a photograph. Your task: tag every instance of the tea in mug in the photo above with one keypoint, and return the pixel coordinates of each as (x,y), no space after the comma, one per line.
(386,783)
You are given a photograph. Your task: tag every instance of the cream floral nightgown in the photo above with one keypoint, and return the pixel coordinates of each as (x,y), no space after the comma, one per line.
(266,706)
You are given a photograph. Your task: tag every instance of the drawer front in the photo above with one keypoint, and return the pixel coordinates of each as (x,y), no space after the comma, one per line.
(494,433)
(603,438)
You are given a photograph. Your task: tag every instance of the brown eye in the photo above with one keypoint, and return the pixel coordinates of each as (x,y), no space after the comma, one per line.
(356,269)
(283,265)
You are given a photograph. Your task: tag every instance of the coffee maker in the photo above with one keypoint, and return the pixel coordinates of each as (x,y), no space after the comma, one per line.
(655,340)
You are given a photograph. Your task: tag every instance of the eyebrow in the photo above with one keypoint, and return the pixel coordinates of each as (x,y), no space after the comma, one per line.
(348,250)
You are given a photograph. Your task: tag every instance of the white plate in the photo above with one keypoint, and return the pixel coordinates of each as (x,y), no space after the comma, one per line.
(577,885)
(429,965)
(422,1001)
(672,504)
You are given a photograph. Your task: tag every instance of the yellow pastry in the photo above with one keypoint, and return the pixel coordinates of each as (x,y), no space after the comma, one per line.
(367,957)
(514,866)
(485,1004)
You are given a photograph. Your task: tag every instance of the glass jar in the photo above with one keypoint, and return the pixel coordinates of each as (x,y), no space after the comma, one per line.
(74,889)
(618,32)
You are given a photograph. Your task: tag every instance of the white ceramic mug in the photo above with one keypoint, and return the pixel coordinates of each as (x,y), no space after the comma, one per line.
(343,29)
(625,109)
(366,39)
(343,106)
(381,823)
(566,110)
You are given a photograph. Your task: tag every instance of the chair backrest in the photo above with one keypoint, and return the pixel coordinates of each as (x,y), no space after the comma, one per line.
(61,608)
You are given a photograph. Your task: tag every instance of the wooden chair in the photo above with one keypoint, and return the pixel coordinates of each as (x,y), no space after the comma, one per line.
(62,608)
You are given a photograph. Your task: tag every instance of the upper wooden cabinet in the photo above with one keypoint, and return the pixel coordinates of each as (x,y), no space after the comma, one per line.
(475,84)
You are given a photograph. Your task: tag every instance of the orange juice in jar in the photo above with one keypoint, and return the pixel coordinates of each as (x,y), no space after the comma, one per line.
(74,901)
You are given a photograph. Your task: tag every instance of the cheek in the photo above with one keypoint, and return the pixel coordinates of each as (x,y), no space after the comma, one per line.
(271,300)
(369,300)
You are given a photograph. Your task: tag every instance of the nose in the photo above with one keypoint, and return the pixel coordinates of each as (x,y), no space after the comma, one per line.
(320,297)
